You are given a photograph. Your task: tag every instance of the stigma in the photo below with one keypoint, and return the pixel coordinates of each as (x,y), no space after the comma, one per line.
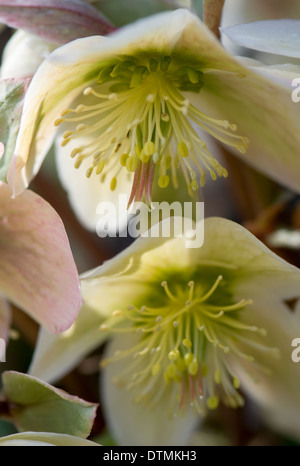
(137,118)
(188,344)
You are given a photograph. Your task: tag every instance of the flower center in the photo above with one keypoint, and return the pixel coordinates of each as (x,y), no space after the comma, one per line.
(137,115)
(188,346)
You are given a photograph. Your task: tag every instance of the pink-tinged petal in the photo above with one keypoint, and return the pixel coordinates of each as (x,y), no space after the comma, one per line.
(37,270)
(58,21)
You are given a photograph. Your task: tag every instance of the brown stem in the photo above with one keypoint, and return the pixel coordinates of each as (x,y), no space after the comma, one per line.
(252,191)
(212,13)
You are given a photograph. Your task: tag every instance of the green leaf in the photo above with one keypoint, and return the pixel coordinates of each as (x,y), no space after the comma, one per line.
(38,406)
(12,93)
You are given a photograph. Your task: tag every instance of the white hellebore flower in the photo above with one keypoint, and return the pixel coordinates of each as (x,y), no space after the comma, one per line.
(44,439)
(187,327)
(128,108)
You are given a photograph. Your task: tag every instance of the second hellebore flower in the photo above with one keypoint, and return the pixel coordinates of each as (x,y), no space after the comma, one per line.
(192,326)
(130,109)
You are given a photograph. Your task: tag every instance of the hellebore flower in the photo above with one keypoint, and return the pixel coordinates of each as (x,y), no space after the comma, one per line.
(190,327)
(129,106)
(37,272)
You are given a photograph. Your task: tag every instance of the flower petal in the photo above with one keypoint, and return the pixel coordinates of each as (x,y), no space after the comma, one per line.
(277,392)
(54,20)
(56,355)
(37,270)
(44,439)
(93,191)
(280,37)
(137,424)
(23,54)
(69,69)
(265,113)
(282,74)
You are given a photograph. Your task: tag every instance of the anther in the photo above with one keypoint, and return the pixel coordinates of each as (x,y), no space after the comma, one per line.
(87,91)
(113,184)
(163,181)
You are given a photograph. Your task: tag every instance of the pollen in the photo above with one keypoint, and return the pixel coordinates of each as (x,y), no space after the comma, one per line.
(136,117)
(189,343)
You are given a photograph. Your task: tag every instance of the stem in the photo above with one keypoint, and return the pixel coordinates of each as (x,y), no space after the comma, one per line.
(212,13)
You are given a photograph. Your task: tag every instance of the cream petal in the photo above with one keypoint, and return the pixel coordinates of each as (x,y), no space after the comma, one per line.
(56,355)
(281,74)
(231,243)
(276,393)
(224,242)
(280,37)
(138,424)
(23,54)
(265,113)
(91,197)
(149,252)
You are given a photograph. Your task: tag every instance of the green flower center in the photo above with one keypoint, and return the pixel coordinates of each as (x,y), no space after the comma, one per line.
(137,117)
(188,345)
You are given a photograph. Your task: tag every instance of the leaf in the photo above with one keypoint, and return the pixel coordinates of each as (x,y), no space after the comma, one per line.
(37,269)
(12,92)
(40,407)
(58,21)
